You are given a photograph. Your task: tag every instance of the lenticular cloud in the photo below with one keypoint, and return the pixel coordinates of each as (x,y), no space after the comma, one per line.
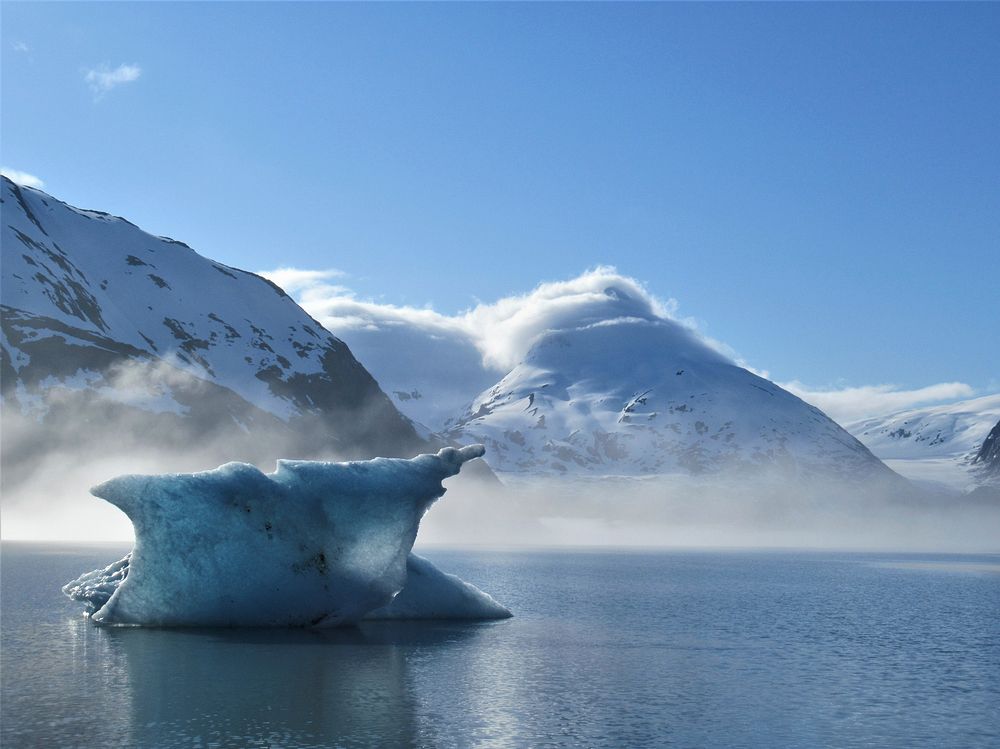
(503,331)
(449,359)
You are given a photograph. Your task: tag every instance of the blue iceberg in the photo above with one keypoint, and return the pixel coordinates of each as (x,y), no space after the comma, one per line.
(312,544)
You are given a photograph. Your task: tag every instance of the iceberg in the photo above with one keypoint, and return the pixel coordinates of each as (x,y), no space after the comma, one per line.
(430,593)
(313,544)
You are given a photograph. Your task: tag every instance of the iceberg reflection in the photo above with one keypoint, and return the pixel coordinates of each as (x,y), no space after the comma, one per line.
(267,687)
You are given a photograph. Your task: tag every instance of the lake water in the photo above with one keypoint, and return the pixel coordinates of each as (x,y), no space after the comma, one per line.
(607,649)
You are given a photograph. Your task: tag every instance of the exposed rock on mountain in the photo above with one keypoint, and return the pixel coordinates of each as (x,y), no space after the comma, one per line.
(987,460)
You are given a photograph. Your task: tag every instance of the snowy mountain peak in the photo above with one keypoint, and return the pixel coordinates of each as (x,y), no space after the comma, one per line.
(629,397)
(96,309)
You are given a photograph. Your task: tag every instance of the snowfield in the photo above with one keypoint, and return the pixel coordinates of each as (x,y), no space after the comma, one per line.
(935,445)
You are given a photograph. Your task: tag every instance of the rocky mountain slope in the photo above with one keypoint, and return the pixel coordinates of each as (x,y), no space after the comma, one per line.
(112,337)
(987,460)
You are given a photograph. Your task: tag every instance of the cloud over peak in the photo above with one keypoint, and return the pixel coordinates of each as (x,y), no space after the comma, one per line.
(439,362)
(294,280)
(22,178)
(502,331)
(473,349)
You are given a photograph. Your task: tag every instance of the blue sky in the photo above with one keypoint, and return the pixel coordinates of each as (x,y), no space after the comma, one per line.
(818,184)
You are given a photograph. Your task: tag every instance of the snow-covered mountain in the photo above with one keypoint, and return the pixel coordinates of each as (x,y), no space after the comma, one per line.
(630,396)
(935,444)
(111,335)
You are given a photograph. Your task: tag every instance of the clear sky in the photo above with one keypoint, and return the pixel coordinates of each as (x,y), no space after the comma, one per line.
(818,184)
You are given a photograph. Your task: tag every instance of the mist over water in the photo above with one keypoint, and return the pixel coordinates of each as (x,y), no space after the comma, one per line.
(64,441)
(685,512)
(50,464)
(53,502)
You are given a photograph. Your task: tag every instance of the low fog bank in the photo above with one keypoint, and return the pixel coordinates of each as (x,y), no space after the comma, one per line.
(47,466)
(47,473)
(685,512)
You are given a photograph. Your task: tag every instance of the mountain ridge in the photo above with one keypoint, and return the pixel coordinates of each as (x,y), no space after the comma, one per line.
(105,325)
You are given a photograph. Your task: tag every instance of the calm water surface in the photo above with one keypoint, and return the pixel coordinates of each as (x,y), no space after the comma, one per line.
(692,649)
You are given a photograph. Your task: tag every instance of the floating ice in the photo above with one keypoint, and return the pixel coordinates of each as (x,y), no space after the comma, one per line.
(432,594)
(312,544)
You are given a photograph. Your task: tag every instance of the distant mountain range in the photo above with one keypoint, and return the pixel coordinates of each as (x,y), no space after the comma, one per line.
(112,336)
(944,446)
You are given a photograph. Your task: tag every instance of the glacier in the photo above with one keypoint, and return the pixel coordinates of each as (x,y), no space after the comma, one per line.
(933,446)
(313,544)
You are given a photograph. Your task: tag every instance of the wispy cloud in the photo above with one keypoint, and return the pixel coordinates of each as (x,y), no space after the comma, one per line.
(295,280)
(21,47)
(451,358)
(502,331)
(849,404)
(104,78)
(22,178)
